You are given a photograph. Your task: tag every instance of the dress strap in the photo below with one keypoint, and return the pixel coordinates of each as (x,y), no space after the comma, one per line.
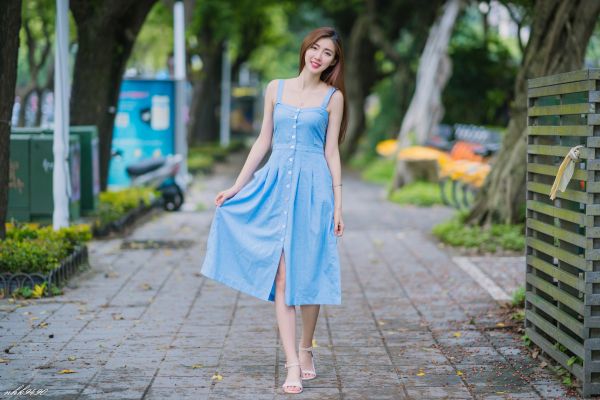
(279,90)
(328,96)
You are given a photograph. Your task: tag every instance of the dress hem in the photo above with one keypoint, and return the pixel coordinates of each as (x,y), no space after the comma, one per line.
(246,290)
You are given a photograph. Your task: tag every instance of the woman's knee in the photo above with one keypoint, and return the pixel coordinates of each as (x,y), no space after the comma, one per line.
(280,276)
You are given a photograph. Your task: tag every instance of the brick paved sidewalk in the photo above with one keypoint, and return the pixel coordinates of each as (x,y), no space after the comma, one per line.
(144,324)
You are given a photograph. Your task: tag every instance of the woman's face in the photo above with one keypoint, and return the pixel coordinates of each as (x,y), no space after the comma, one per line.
(320,55)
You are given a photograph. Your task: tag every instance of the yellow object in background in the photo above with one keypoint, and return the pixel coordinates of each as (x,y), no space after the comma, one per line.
(387,147)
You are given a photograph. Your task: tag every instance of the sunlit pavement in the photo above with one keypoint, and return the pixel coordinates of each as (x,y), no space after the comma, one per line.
(144,324)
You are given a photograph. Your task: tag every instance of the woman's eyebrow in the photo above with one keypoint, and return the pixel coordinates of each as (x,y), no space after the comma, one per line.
(315,44)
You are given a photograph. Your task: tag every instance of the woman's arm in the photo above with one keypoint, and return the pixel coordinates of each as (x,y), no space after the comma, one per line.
(332,155)
(260,147)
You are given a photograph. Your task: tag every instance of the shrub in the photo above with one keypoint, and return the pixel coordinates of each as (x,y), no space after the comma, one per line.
(29,248)
(380,170)
(456,233)
(419,193)
(115,204)
(518,297)
(198,161)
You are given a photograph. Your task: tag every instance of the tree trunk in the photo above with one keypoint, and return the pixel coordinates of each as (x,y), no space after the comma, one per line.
(204,121)
(425,110)
(25,97)
(38,112)
(10,24)
(559,37)
(106,33)
(361,74)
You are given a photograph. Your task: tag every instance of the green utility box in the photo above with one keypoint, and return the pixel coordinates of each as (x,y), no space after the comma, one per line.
(19,197)
(42,166)
(90,162)
(40,154)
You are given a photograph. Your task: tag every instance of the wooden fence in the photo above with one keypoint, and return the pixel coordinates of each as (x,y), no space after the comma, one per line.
(562,307)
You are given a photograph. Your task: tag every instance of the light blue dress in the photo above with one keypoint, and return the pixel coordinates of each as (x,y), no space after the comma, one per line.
(287,206)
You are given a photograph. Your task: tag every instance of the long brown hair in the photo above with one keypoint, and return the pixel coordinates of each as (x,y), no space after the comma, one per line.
(334,74)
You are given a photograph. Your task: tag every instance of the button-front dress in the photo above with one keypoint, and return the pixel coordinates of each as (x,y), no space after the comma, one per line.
(286,207)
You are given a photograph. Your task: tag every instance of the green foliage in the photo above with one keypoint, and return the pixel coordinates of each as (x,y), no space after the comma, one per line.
(115,204)
(29,248)
(419,193)
(276,55)
(24,292)
(526,339)
(575,360)
(519,316)
(38,291)
(566,375)
(500,236)
(213,150)
(199,161)
(361,159)
(518,297)
(560,347)
(55,290)
(154,43)
(39,17)
(562,372)
(202,157)
(384,117)
(483,74)
(380,170)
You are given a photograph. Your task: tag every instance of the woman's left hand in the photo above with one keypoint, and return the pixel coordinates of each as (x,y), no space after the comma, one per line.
(338,223)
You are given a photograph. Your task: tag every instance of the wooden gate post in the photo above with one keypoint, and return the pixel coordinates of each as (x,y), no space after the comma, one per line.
(562,304)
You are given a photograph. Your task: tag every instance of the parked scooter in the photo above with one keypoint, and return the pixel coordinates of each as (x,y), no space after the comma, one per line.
(160,172)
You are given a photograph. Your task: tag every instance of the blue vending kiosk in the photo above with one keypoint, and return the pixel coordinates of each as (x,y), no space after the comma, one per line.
(144,125)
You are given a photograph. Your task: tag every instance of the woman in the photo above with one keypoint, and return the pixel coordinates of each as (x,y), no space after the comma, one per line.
(274,232)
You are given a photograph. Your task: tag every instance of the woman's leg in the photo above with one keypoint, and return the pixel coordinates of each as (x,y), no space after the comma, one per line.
(310,313)
(286,321)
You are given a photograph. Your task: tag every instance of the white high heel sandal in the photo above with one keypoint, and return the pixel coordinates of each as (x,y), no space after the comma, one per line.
(293,384)
(312,372)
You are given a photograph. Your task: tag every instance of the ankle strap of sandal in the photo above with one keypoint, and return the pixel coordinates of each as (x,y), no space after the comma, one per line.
(292,365)
(310,348)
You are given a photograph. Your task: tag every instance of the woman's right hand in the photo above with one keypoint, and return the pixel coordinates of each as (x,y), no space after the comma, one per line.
(224,195)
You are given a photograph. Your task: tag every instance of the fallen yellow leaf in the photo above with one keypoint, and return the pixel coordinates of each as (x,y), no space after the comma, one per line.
(457,334)
(420,373)
(66,371)
(500,324)
(459,373)
(217,376)
(314,343)
(71,358)
(196,366)
(4,360)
